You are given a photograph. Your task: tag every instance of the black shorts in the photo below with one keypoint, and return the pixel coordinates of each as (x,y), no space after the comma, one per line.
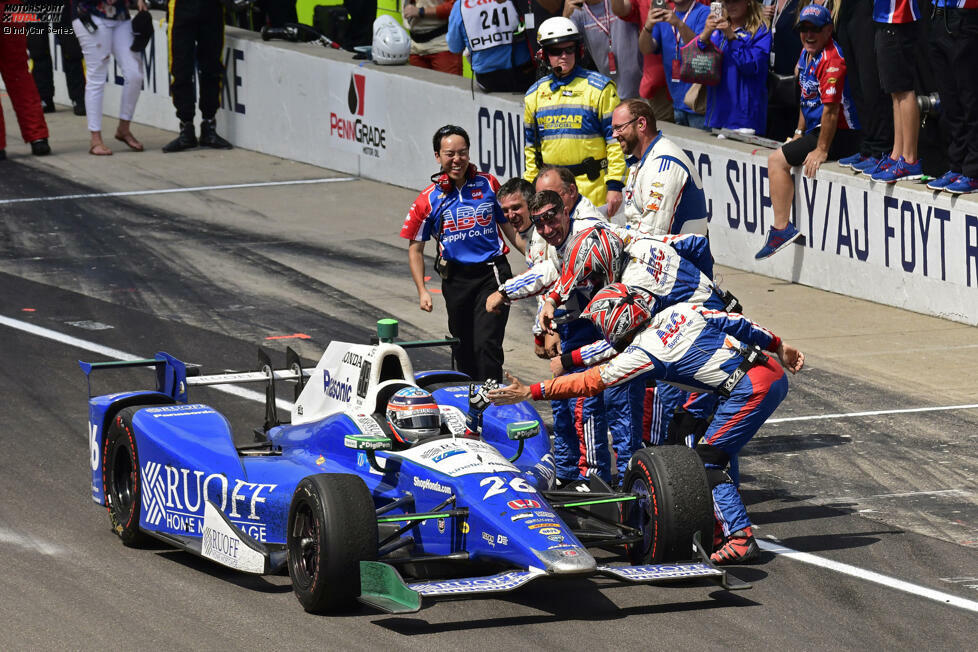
(896,56)
(845,143)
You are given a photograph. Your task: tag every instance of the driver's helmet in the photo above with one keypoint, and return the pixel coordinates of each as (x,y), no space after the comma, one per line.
(596,257)
(618,311)
(413,415)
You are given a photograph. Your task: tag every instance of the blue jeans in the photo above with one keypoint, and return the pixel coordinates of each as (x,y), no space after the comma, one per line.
(685,119)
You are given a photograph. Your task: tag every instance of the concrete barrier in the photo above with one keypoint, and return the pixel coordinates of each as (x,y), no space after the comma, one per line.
(898,245)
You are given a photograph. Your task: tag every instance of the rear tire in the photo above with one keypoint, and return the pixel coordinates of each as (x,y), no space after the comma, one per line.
(332,527)
(674,502)
(121,478)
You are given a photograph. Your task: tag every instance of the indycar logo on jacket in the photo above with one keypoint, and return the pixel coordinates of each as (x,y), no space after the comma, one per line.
(174,498)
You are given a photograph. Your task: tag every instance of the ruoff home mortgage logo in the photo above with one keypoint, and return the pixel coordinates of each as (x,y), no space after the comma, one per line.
(356,131)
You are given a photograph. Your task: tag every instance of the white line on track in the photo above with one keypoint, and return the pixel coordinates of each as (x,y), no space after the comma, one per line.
(905,494)
(163,191)
(873,413)
(26,541)
(869,576)
(116,354)
(769,546)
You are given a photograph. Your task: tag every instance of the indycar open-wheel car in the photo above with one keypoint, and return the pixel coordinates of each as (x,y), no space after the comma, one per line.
(356,513)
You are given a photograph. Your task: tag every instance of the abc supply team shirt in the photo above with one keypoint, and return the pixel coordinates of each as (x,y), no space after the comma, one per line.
(464,221)
(687,345)
(823,81)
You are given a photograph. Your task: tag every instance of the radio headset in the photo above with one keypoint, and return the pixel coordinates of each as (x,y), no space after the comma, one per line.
(446,185)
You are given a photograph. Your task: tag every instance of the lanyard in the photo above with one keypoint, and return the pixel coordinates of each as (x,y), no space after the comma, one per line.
(605,26)
(675,30)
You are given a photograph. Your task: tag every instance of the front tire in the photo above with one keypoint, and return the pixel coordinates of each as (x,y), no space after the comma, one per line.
(332,527)
(121,479)
(674,502)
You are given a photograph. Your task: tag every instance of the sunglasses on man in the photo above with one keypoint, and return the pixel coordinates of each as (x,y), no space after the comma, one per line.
(556,52)
(547,218)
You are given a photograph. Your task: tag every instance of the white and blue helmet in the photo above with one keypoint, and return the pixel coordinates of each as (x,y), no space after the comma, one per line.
(413,415)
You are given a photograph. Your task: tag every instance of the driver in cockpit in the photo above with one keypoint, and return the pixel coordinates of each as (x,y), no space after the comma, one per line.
(414,416)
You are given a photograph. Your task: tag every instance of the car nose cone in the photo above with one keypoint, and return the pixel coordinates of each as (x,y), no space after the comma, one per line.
(567,561)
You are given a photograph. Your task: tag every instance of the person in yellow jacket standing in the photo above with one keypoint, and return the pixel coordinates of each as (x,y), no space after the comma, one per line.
(567,119)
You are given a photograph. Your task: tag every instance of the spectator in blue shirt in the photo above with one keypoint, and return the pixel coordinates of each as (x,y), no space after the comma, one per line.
(666,32)
(739,101)
(503,68)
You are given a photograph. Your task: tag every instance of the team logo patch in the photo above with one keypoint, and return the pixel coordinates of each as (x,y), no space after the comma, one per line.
(523,503)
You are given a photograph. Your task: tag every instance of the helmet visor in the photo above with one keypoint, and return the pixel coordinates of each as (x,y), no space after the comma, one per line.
(419,419)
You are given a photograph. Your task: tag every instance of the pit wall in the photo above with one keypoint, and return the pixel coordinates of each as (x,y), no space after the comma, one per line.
(900,245)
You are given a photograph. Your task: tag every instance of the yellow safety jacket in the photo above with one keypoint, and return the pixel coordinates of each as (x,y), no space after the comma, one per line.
(567,122)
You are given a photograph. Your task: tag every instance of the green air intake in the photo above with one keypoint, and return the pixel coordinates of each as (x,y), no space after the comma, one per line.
(386,330)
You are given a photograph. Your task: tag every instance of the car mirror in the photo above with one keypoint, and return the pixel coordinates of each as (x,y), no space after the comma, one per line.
(367,442)
(520,430)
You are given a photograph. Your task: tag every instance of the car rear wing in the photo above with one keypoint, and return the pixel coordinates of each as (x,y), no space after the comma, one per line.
(174,376)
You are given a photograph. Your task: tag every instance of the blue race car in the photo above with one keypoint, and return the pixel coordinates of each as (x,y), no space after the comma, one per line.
(352,508)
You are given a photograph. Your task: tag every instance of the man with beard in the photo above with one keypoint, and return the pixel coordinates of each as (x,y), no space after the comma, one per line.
(663,194)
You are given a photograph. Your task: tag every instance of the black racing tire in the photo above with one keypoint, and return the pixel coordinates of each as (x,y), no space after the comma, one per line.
(332,527)
(674,502)
(121,478)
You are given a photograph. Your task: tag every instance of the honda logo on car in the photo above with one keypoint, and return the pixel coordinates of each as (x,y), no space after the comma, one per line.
(523,503)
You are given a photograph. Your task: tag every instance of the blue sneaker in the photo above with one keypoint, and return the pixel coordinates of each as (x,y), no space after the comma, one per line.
(778,239)
(885,163)
(867,163)
(901,171)
(943,181)
(850,161)
(963,185)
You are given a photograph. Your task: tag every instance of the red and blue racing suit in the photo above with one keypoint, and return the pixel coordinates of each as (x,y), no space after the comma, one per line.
(702,350)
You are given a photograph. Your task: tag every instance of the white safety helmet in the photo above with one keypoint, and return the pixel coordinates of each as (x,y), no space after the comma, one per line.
(557,30)
(391,45)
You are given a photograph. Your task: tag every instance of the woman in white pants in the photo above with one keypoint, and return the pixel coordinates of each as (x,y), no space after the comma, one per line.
(103,29)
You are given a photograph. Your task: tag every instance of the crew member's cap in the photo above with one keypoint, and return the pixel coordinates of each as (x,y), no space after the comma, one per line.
(814,14)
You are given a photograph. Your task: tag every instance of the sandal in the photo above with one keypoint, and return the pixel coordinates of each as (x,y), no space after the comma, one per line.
(105,151)
(130,141)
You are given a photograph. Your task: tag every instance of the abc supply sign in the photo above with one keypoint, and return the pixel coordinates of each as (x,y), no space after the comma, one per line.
(358,125)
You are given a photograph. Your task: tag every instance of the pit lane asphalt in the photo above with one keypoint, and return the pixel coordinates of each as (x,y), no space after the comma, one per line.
(209,275)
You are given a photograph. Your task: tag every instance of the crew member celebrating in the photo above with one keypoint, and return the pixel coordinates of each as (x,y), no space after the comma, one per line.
(690,345)
(460,210)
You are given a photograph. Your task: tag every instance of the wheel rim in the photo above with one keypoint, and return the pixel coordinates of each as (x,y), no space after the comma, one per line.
(307,539)
(123,480)
(642,516)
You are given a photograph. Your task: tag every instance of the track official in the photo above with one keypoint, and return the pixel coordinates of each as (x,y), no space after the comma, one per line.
(567,119)
(196,40)
(459,209)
